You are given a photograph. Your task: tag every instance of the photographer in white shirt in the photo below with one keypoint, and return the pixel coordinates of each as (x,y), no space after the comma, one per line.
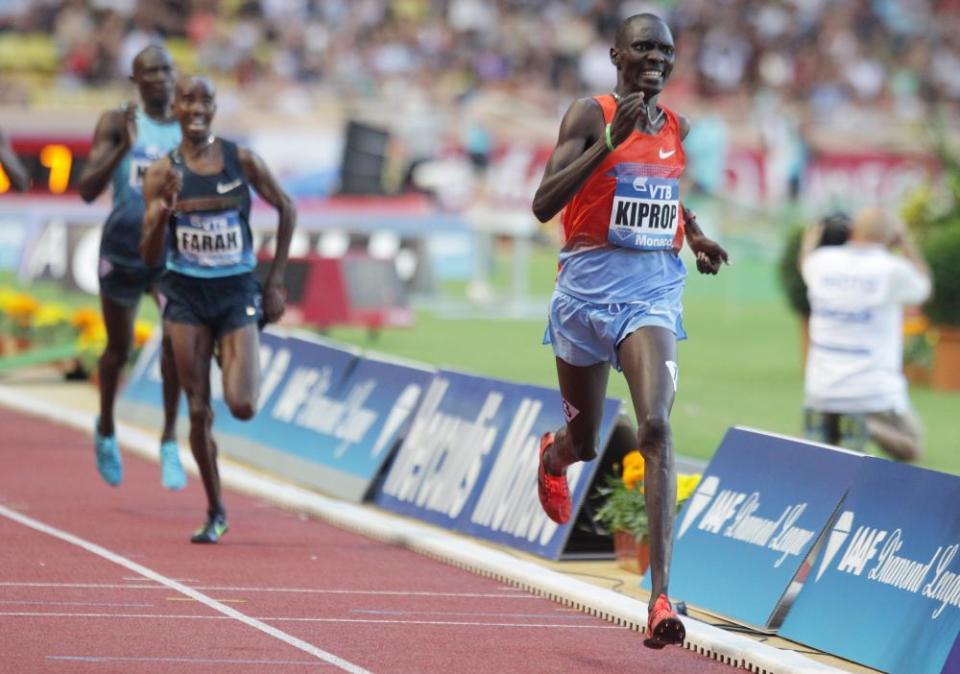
(854,384)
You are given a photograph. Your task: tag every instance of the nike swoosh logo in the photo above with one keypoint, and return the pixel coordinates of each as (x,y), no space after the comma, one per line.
(223,188)
(664,155)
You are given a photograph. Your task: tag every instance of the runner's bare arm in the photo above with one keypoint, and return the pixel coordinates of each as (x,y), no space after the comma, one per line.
(581,147)
(12,166)
(112,139)
(710,254)
(267,187)
(161,186)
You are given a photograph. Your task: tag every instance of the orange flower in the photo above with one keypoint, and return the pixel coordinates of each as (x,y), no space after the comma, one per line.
(84,319)
(141,333)
(633,467)
(915,324)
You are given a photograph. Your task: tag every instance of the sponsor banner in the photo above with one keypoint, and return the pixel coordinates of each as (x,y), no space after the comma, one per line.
(952,665)
(469,462)
(327,418)
(885,589)
(832,179)
(760,507)
(63,251)
(13,240)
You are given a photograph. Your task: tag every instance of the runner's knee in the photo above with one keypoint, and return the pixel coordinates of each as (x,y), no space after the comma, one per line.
(117,349)
(201,416)
(653,434)
(243,408)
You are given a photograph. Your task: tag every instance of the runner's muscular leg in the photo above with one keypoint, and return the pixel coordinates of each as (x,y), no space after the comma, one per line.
(644,356)
(193,351)
(584,390)
(118,320)
(240,361)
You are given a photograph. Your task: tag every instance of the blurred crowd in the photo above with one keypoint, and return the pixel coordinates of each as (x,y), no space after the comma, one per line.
(823,54)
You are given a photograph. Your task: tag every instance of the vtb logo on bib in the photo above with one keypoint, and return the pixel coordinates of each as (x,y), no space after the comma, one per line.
(645,213)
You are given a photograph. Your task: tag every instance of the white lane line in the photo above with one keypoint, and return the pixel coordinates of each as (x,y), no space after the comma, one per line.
(182,589)
(126,604)
(192,661)
(483,614)
(292,590)
(292,619)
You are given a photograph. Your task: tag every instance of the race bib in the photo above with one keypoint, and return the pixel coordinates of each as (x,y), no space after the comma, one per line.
(210,240)
(140,159)
(645,213)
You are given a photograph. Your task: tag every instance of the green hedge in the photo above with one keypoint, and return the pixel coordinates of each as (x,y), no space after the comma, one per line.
(942,251)
(789,273)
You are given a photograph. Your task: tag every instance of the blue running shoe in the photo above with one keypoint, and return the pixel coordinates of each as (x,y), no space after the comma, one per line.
(109,463)
(171,472)
(212,530)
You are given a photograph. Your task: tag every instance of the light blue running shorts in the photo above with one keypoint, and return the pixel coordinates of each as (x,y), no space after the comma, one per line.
(584,333)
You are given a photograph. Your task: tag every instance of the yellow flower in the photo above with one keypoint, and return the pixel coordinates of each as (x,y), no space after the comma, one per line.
(633,469)
(93,337)
(686,484)
(50,314)
(21,307)
(141,333)
(7,296)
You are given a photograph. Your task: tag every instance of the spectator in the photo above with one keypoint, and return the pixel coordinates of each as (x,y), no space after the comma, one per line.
(855,388)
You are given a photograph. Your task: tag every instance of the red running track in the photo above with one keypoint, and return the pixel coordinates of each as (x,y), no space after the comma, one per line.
(64,608)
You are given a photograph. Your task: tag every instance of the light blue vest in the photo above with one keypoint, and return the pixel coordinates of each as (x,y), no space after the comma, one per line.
(121,233)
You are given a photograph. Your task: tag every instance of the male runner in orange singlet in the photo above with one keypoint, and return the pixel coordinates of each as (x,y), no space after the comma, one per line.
(615,171)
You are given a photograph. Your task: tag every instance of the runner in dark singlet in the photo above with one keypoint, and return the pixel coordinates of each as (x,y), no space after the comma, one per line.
(200,196)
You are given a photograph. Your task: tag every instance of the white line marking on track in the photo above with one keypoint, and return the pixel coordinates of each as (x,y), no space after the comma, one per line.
(125,604)
(294,590)
(192,661)
(290,619)
(183,589)
(485,614)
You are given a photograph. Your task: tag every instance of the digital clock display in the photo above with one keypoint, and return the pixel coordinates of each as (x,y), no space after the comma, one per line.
(53,164)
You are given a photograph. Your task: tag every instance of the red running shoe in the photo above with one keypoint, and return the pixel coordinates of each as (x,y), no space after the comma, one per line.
(663,625)
(553,490)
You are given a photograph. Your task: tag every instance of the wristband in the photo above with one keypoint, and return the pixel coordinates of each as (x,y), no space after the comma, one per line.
(608,136)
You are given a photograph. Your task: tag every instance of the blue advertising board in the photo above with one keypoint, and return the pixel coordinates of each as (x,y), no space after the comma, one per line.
(952,665)
(469,462)
(885,588)
(760,506)
(327,417)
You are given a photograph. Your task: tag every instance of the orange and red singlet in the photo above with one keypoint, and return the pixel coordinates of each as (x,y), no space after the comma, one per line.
(632,200)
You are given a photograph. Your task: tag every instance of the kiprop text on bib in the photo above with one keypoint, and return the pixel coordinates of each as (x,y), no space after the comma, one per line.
(210,240)
(140,159)
(645,213)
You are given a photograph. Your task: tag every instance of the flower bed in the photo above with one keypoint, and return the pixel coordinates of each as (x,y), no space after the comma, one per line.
(624,510)
(34,332)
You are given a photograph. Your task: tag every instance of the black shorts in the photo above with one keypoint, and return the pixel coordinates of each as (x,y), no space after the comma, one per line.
(125,284)
(221,304)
